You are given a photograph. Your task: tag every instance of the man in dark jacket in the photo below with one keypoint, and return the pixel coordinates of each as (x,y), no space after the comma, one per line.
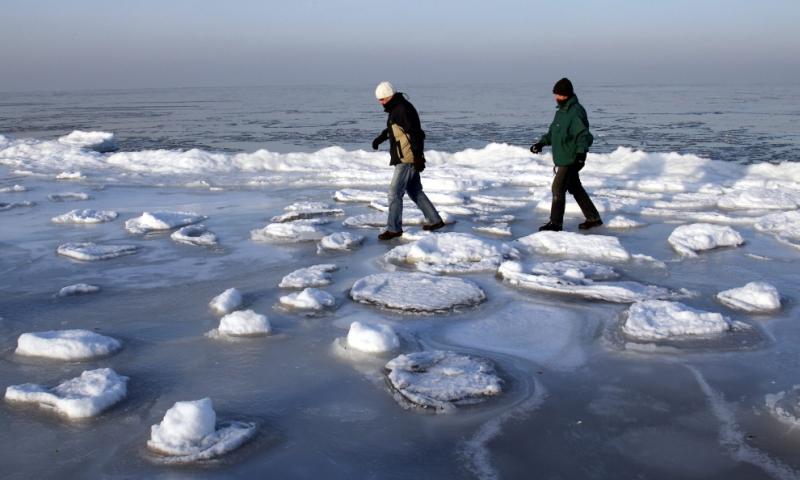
(570,137)
(406,144)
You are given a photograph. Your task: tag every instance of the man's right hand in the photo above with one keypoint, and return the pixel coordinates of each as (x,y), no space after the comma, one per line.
(377,142)
(536,148)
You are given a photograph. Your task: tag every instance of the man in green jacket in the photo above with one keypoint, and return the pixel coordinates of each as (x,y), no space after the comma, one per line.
(570,137)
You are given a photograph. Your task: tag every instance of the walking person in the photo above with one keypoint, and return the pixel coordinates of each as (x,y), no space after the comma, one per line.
(570,137)
(406,144)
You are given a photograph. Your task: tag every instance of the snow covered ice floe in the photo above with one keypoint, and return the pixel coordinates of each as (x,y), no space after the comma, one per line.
(621,221)
(757,199)
(581,279)
(690,239)
(313,276)
(68,196)
(498,229)
(189,432)
(12,205)
(663,320)
(785,226)
(312,299)
(296,231)
(340,241)
(416,292)
(13,189)
(77,175)
(80,397)
(785,406)
(194,235)
(85,216)
(226,302)
(372,338)
(97,141)
(66,344)
(451,253)
(90,251)
(377,220)
(77,289)
(242,323)
(755,297)
(155,221)
(442,380)
(306,210)
(576,246)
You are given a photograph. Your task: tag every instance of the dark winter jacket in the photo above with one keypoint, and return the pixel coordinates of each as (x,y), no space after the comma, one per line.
(569,133)
(404,131)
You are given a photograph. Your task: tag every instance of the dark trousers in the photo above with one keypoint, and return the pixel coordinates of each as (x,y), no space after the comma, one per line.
(566,180)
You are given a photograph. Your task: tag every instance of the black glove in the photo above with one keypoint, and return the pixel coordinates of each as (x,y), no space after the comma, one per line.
(377,142)
(580,157)
(419,166)
(537,148)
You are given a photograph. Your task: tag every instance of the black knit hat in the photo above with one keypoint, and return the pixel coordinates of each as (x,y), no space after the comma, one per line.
(563,87)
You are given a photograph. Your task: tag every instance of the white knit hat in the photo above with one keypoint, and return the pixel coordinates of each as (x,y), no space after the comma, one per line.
(384,89)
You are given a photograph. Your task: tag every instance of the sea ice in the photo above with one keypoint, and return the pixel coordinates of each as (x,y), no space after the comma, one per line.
(623,222)
(576,246)
(194,235)
(305,210)
(416,292)
(499,229)
(296,231)
(340,241)
(9,206)
(77,175)
(661,320)
(189,433)
(451,253)
(226,302)
(68,196)
(377,220)
(66,344)
(77,289)
(154,221)
(97,141)
(689,239)
(13,189)
(244,323)
(351,195)
(442,380)
(313,276)
(79,397)
(755,297)
(757,199)
(309,299)
(785,226)
(372,338)
(785,406)
(85,216)
(89,251)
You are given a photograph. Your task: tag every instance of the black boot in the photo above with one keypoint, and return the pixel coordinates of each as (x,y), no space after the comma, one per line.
(388,235)
(433,226)
(589,224)
(550,226)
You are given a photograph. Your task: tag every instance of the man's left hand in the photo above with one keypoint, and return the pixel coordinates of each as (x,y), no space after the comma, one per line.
(580,157)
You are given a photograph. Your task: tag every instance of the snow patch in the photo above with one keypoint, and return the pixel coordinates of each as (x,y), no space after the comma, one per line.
(85,216)
(576,246)
(244,323)
(66,344)
(155,221)
(755,297)
(451,253)
(97,141)
(372,338)
(308,299)
(690,239)
(662,320)
(226,302)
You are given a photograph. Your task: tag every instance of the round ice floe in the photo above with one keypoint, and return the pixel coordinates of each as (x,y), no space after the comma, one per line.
(154,221)
(226,302)
(77,289)
(313,276)
(305,210)
(68,196)
(80,397)
(244,323)
(442,380)
(662,320)
(578,246)
(623,222)
(340,241)
(377,338)
(690,239)
(89,251)
(785,406)
(189,433)
(297,231)
(194,235)
(98,141)
(85,216)
(308,299)
(757,199)
(416,292)
(451,253)
(754,297)
(66,344)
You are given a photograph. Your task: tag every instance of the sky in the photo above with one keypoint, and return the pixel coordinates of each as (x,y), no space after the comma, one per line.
(91,44)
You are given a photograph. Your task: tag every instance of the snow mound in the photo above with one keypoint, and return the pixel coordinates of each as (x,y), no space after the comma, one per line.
(306,210)
(757,199)
(80,397)
(66,344)
(313,276)
(77,289)
(687,240)
(97,141)
(756,297)
(451,253)
(244,323)
(499,229)
(662,320)
(785,406)
(340,241)
(85,216)
(372,338)
(416,292)
(68,196)
(297,231)
(785,226)
(442,380)
(309,299)
(154,221)
(577,246)
(377,220)
(89,251)
(13,189)
(194,235)
(189,433)
(621,221)
(226,302)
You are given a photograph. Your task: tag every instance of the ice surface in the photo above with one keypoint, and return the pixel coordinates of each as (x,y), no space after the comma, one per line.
(68,196)
(226,302)
(661,320)
(90,251)
(194,235)
(98,141)
(296,231)
(451,253)
(499,229)
(576,246)
(313,276)
(621,221)
(155,221)
(66,344)
(756,297)
(13,189)
(442,380)
(77,289)
(759,198)
(376,220)
(416,292)
(9,206)
(79,397)
(305,210)
(244,323)
(351,195)
(785,406)
(690,239)
(340,241)
(309,299)
(785,226)
(372,338)
(85,216)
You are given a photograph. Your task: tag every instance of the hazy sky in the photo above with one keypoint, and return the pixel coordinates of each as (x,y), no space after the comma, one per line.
(76,44)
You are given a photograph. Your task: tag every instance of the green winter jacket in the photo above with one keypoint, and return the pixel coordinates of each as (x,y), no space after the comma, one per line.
(569,133)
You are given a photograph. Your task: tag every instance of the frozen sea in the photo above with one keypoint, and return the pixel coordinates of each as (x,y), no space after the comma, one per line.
(582,395)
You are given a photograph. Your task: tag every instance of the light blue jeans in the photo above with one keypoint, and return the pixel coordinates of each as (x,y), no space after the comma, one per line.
(406,179)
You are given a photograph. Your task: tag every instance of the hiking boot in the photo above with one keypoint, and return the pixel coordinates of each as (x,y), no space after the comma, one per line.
(550,226)
(388,235)
(590,223)
(433,226)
